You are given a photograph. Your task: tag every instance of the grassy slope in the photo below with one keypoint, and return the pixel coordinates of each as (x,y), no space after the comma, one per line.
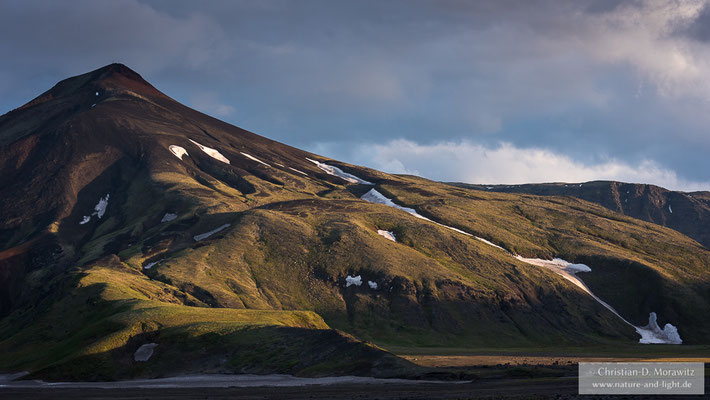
(112,309)
(292,251)
(638,267)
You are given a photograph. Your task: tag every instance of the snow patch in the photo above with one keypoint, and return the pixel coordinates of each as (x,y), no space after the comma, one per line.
(489,243)
(556,263)
(178,151)
(670,209)
(566,270)
(297,170)
(210,233)
(387,235)
(373,196)
(335,171)
(144,352)
(149,265)
(168,217)
(353,280)
(653,334)
(373,285)
(251,157)
(211,152)
(280,165)
(99,210)
(93,105)
(97,93)
(489,187)
(650,333)
(101,207)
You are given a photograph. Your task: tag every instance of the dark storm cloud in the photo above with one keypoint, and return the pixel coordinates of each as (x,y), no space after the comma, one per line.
(699,27)
(593,81)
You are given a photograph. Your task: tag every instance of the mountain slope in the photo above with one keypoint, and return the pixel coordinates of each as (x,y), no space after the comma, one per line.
(127,218)
(687,213)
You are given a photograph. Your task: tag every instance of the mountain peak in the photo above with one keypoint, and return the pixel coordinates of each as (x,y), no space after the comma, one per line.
(116,69)
(115,77)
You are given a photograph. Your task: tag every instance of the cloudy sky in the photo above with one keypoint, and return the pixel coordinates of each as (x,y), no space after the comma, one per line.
(475,91)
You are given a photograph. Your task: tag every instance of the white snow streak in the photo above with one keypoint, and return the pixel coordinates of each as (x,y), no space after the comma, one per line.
(373,196)
(210,233)
(564,269)
(387,235)
(489,243)
(212,152)
(251,157)
(178,151)
(670,209)
(649,334)
(149,265)
(297,170)
(85,220)
(335,171)
(373,285)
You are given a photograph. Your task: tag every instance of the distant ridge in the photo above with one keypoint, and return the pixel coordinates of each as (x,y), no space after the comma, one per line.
(686,212)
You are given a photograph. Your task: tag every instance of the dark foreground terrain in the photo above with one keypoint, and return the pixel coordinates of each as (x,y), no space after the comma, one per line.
(453,378)
(540,388)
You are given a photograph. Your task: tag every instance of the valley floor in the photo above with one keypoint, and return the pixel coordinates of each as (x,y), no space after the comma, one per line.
(540,388)
(470,358)
(524,373)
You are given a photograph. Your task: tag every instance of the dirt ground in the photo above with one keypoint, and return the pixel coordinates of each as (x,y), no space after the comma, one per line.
(459,361)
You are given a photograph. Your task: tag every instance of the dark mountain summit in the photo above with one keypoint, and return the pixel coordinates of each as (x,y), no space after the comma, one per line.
(139,237)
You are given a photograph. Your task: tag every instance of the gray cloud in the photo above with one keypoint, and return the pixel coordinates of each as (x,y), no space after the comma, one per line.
(589,80)
(699,27)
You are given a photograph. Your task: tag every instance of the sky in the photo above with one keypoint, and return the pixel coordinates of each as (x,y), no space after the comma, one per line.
(473,91)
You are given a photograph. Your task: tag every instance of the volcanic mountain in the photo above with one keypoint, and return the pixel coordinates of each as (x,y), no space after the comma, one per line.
(139,237)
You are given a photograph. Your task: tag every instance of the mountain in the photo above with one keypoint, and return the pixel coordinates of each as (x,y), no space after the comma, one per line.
(139,237)
(685,212)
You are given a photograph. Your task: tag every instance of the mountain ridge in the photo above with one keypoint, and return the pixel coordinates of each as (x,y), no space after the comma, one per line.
(128,220)
(685,212)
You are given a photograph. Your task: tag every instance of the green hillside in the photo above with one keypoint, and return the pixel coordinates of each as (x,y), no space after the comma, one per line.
(269,263)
